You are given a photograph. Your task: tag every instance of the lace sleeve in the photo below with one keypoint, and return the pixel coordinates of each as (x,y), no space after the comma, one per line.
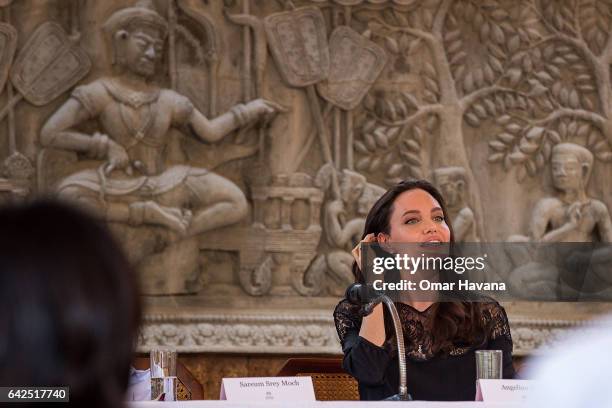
(363,360)
(499,335)
(497,321)
(347,319)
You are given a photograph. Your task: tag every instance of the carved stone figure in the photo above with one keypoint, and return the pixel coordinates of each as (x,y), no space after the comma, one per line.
(341,234)
(570,217)
(134,186)
(452,183)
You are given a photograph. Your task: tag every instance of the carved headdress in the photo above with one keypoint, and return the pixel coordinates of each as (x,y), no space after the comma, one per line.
(141,13)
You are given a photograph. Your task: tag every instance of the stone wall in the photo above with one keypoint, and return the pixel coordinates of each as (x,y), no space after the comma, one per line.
(236,146)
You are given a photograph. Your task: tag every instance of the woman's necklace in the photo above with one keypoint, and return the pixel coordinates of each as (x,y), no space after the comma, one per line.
(420,353)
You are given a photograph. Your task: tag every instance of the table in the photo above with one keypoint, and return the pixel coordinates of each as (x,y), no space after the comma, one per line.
(318,404)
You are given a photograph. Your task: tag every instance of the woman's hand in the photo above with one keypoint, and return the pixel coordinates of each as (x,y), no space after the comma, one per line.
(373,326)
(357,250)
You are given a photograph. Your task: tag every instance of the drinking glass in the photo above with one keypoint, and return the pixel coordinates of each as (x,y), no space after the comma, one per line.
(163,374)
(488,364)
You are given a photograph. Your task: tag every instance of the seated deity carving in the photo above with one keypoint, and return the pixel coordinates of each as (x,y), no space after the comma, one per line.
(571,216)
(132,186)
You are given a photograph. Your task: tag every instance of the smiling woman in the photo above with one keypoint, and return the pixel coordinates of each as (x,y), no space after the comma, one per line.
(441,337)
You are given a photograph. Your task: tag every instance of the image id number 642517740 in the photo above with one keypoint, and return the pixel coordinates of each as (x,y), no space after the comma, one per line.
(34,394)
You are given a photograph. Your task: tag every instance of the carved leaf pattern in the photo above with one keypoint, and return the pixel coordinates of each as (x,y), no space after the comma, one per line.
(519,53)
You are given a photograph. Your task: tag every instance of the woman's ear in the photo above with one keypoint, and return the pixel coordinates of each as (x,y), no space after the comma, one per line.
(382,237)
(384,241)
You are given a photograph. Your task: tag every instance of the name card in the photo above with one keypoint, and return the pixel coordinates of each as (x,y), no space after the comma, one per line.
(267,389)
(503,390)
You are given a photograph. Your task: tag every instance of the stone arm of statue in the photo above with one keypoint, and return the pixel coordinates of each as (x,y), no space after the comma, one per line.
(575,218)
(601,255)
(213,130)
(541,218)
(604,223)
(463,223)
(337,235)
(58,132)
(558,234)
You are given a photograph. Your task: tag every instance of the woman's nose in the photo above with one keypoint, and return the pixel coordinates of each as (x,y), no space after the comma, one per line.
(430,228)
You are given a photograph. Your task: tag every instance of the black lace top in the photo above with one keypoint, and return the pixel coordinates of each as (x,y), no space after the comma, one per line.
(448,375)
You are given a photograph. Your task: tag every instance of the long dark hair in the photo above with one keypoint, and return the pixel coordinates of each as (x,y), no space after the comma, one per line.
(70,304)
(453,321)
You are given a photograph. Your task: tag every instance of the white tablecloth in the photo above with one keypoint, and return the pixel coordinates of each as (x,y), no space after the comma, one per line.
(316,404)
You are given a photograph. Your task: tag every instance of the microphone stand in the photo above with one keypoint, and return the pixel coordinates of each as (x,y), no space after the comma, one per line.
(402,395)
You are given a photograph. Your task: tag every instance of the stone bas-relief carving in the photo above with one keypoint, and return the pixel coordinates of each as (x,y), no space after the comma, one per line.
(135,117)
(341,234)
(452,183)
(299,45)
(571,216)
(48,64)
(356,63)
(288,333)
(478,96)
(281,241)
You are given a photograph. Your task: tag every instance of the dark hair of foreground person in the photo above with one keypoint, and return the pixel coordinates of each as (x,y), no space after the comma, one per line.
(69,301)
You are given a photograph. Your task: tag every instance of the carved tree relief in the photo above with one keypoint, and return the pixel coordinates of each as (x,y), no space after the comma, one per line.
(566,66)
(377,91)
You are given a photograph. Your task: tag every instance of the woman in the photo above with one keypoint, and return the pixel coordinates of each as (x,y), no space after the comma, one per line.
(440,337)
(70,304)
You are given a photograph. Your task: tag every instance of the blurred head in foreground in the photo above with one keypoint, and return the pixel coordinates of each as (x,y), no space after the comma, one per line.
(575,372)
(69,302)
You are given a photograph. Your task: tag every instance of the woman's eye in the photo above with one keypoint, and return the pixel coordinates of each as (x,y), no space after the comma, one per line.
(411,221)
(438,218)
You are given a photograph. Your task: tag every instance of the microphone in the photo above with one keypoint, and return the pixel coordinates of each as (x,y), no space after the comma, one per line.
(361,294)
(364,295)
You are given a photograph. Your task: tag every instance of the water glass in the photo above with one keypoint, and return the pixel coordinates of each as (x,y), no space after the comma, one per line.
(489,364)
(163,374)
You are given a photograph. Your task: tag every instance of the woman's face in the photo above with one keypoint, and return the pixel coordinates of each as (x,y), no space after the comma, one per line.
(417,217)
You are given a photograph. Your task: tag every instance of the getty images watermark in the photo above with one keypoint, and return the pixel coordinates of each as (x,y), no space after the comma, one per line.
(506,271)
(405,263)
